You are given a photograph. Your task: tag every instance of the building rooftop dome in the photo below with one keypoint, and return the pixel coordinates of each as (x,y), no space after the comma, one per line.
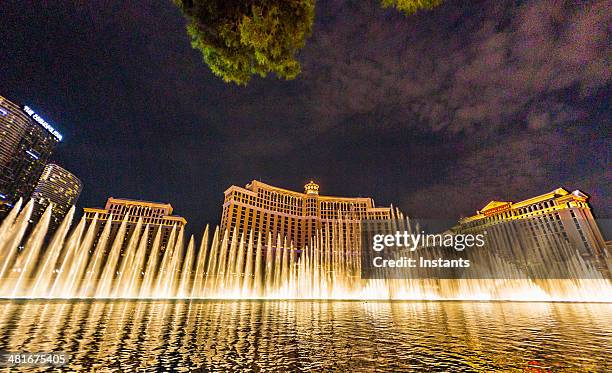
(311,188)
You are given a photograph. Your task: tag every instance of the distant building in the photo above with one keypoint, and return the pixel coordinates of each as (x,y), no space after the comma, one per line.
(294,216)
(58,186)
(26,143)
(543,221)
(156,215)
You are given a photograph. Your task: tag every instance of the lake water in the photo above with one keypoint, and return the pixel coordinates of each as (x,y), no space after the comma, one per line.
(204,336)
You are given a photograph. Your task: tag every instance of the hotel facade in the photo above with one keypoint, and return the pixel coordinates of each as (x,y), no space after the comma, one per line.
(155,214)
(546,221)
(293,216)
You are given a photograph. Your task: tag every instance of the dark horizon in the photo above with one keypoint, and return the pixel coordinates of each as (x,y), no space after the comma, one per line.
(436,113)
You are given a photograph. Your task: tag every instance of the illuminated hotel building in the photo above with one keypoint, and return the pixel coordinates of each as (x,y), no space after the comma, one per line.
(156,215)
(548,220)
(26,143)
(294,216)
(59,187)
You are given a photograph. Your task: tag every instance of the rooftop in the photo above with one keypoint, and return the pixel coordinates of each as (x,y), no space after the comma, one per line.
(311,186)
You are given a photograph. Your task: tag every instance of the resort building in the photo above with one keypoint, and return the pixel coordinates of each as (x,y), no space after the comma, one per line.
(294,216)
(156,215)
(544,221)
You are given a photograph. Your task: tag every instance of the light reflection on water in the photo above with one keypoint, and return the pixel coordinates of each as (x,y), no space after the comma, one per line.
(318,336)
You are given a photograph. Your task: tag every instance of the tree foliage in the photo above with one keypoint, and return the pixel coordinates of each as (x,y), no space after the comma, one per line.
(240,38)
(410,6)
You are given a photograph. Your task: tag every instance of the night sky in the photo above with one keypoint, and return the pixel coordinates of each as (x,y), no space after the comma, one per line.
(435,113)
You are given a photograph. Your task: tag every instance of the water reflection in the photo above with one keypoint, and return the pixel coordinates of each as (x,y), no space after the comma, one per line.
(318,336)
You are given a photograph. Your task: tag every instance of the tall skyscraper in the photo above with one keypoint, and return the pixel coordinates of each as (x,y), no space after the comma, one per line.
(26,143)
(544,221)
(58,186)
(157,215)
(296,217)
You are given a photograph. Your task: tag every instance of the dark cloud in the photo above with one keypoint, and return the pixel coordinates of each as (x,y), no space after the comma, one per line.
(461,68)
(516,168)
(503,83)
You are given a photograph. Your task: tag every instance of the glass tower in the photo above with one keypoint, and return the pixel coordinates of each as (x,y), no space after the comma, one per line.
(26,143)
(57,186)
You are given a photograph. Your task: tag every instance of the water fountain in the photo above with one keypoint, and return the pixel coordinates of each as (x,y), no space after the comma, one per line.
(74,264)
